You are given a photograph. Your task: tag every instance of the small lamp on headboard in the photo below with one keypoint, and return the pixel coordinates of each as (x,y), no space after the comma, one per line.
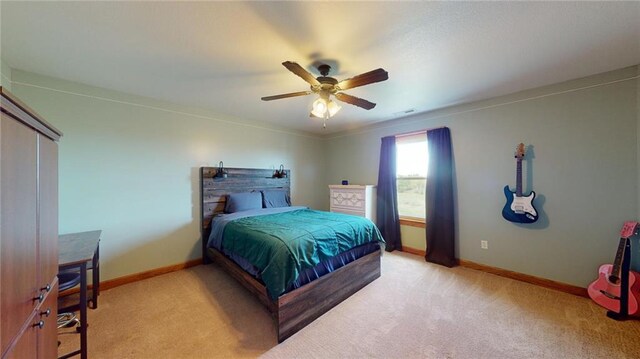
(221,172)
(280,173)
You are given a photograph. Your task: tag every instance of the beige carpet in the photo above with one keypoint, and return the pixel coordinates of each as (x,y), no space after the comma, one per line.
(415,310)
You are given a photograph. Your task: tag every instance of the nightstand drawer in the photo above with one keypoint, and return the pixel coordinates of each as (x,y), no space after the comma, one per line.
(348,199)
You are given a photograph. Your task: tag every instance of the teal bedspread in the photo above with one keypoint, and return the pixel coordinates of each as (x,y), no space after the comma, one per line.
(281,245)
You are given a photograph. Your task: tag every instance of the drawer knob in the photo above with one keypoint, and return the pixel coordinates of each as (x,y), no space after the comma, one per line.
(46,287)
(39,324)
(46,313)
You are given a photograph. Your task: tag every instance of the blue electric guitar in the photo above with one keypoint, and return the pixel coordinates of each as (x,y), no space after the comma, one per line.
(519,208)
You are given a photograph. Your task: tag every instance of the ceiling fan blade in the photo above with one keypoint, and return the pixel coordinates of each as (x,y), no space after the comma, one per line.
(298,70)
(355,101)
(286,95)
(364,79)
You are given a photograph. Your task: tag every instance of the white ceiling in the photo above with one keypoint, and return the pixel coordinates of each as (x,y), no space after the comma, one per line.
(224,56)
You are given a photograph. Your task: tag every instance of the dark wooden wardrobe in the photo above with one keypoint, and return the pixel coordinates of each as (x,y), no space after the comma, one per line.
(28,232)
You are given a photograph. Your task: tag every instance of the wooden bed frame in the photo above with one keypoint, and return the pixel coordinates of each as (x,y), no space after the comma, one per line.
(294,310)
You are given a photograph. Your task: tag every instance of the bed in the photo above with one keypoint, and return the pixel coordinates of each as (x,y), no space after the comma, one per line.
(302,295)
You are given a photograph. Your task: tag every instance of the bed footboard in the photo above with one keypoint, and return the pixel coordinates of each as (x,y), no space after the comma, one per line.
(296,309)
(302,306)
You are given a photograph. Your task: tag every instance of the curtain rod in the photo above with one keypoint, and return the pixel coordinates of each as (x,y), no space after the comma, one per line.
(411,133)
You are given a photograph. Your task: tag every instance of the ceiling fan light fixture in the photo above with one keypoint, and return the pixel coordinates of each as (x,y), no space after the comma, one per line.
(324,108)
(333,108)
(319,107)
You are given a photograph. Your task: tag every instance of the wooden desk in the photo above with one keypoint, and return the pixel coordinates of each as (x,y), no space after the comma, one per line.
(76,251)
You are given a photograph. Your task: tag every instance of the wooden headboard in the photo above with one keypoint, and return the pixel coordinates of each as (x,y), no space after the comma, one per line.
(213,191)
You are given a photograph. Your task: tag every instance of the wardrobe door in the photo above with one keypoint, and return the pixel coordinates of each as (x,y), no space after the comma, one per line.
(27,345)
(48,334)
(48,243)
(17,222)
(48,209)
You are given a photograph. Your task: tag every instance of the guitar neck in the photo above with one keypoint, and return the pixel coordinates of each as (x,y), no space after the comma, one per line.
(519,177)
(615,272)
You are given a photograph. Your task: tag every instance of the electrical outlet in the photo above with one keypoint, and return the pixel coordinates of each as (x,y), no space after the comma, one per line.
(484,244)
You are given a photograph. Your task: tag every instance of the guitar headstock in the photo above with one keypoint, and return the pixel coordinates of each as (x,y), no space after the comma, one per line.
(520,151)
(629,229)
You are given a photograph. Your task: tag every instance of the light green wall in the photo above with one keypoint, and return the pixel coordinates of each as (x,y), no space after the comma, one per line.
(5,75)
(130,168)
(585,172)
(413,237)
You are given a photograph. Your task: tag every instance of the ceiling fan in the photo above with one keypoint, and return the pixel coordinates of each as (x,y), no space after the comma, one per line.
(326,86)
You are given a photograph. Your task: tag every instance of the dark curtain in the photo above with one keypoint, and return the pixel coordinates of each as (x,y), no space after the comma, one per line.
(388,220)
(439,193)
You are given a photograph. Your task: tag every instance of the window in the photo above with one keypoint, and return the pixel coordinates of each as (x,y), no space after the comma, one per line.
(412,161)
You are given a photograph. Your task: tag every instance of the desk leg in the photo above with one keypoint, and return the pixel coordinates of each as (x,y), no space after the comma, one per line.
(95,292)
(83,310)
